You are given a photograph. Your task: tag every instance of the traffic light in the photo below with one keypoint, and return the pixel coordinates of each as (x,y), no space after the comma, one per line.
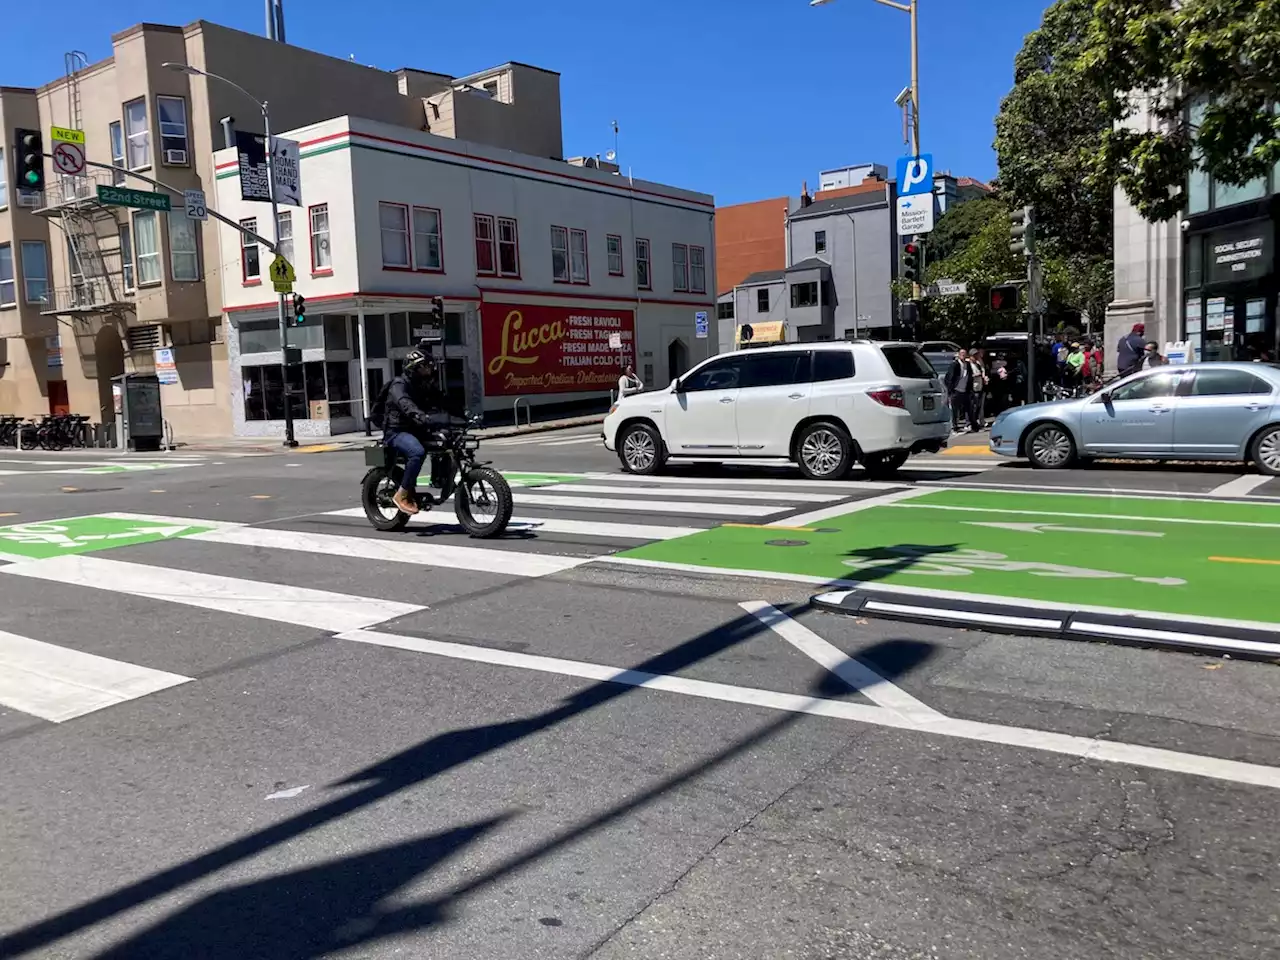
(911,261)
(299,309)
(1003,299)
(437,309)
(1022,231)
(30,162)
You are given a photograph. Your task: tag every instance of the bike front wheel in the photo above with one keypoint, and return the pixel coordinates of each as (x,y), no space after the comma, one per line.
(483,503)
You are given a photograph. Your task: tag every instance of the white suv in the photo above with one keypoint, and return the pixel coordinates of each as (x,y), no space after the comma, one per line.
(823,406)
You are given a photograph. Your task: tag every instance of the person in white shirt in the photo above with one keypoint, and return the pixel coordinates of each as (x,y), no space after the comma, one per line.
(629,383)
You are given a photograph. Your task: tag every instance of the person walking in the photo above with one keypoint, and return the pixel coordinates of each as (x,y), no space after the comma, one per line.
(978,398)
(629,383)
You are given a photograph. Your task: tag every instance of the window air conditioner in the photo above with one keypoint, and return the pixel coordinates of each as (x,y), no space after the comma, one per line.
(176,157)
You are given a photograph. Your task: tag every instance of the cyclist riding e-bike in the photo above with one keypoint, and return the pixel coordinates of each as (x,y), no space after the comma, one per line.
(414,404)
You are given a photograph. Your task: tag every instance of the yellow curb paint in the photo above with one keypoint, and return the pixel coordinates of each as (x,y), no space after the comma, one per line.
(70,489)
(968,451)
(155,491)
(762,526)
(260,496)
(8,514)
(1268,563)
(319,448)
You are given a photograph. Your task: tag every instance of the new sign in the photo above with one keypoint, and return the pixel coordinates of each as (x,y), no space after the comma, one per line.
(915,214)
(1240,253)
(537,349)
(915,175)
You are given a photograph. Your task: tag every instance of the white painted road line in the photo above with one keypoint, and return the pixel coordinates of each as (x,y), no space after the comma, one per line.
(633,490)
(56,683)
(839,510)
(857,674)
(1083,516)
(1061,490)
(582,528)
(1231,771)
(1240,486)
(649,506)
(849,486)
(303,607)
(509,562)
(594,438)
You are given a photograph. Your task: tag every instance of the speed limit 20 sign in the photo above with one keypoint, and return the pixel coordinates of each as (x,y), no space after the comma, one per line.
(193,200)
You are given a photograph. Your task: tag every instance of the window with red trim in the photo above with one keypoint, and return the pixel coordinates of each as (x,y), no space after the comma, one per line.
(486,259)
(644,279)
(613,243)
(393,220)
(428,239)
(560,254)
(579,271)
(508,247)
(321,254)
(680,268)
(697,270)
(250,265)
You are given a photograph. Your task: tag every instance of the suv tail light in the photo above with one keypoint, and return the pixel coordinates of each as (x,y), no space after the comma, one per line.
(889,397)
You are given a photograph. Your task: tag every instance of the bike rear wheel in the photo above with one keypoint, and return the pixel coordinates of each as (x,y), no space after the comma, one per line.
(483,503)
(375,496)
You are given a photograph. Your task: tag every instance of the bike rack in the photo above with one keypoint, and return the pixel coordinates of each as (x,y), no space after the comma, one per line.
(528,411)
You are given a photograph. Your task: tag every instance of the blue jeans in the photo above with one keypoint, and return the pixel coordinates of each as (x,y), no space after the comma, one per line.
(414,454)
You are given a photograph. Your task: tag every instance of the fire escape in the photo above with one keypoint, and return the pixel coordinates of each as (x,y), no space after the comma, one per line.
(93,294)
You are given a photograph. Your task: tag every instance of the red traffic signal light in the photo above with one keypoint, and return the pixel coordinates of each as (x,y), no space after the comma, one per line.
(912,248)
(1003,298)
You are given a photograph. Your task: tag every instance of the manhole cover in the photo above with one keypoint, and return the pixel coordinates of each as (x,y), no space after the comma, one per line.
(787,543)
(826,530)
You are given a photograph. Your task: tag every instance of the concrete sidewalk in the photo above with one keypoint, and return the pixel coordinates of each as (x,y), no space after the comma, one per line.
(354,441)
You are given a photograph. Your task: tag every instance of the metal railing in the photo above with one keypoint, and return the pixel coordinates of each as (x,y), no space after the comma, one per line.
(91,293)
(528,411)
(64,191)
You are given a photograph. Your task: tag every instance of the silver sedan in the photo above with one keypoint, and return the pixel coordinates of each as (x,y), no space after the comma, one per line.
(1199,411)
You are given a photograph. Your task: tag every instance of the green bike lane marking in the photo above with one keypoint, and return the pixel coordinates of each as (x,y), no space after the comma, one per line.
(68,535)
(540,479)
(1135,556)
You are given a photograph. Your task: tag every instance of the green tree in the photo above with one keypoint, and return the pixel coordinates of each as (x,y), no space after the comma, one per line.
(1049,133)
(1208,71)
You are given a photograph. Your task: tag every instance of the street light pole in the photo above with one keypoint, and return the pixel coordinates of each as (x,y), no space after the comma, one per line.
(911,8)
(289,440)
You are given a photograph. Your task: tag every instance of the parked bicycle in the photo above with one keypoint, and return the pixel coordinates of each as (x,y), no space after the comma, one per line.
(51,432)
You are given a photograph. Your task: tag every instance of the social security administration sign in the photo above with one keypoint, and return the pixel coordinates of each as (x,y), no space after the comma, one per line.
(915,175)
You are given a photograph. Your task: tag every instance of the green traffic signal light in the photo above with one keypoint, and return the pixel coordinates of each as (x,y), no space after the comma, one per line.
(32,177)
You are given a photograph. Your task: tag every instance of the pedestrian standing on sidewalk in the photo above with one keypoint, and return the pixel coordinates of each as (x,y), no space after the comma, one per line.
(1130,349)
(629,383)
(959,384)
(1151,356)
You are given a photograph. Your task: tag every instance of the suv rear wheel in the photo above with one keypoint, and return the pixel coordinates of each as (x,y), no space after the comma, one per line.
(824,451)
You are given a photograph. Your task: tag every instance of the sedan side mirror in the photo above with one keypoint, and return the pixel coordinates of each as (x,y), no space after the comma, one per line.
(1105,396)
(677,386)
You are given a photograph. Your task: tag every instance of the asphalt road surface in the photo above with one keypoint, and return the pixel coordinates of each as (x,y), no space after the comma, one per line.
(236,722)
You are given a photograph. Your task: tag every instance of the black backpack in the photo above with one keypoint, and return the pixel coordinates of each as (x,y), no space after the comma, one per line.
(379,408)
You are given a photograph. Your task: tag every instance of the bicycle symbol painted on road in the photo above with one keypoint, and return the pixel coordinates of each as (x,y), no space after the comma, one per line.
(928,562)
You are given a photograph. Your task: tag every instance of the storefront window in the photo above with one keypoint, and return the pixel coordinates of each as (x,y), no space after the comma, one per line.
(454,329)
(259,336)
(1198,181)
(1195,325)
(264,396)
(335,333)
(375,335)
(399,330)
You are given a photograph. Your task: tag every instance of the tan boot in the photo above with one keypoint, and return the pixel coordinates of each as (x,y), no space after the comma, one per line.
(404,501)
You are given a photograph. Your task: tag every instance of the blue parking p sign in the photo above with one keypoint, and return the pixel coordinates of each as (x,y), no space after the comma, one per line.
(700,325)
(915,175)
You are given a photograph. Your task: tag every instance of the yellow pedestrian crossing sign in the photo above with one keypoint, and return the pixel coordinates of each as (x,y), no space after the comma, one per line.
(282,275)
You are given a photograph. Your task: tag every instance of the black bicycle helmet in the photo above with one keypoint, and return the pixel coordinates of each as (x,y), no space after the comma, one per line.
(417,362)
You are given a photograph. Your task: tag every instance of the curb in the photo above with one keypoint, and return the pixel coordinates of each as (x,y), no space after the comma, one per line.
(545,427)
(1203,638)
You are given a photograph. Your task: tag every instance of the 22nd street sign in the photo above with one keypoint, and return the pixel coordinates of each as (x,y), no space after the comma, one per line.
(124,197)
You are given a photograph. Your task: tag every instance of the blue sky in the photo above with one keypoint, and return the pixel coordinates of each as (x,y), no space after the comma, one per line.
(743,99)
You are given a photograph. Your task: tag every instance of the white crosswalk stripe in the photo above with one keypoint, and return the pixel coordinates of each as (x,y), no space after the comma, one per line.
(562,522)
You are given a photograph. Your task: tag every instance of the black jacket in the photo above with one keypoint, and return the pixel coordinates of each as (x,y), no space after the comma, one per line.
(412,403)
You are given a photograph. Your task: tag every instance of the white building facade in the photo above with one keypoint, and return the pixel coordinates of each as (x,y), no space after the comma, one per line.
(552,275)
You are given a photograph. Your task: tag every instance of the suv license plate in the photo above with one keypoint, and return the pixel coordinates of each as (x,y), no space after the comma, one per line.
(929,403)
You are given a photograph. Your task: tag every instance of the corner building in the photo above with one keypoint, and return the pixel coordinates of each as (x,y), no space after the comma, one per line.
(553,274)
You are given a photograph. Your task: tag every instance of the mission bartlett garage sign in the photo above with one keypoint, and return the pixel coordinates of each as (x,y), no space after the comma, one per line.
(530,349)
(1241,253)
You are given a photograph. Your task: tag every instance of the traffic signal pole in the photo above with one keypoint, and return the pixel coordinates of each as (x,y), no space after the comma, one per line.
(289,440)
